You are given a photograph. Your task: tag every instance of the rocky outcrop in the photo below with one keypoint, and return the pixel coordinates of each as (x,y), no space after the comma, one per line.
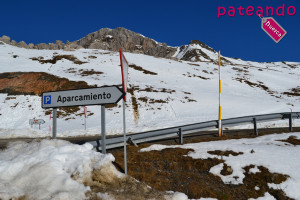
(5,39)
(129,41)
(107,39)
(22,44)
(197,51)
(113,39)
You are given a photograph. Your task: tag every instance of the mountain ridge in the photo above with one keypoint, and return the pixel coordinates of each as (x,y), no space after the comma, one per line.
(129,41)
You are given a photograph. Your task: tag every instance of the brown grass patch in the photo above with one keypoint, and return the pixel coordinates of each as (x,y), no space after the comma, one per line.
(92,57)
(9,98)
(194,64)
(292,140)
(151,89)
(56,58)
(89,72)
(66,111)
(151,101)
(138,68)
(260,85)
(240,70)
(34,83)
(225,153)
(293,92)
(227,170)
(290,65)
(193,75)
(171,169)
(135,105)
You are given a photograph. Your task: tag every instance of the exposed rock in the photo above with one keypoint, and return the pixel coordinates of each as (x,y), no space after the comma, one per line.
(5,39)
(113,39)
(41,46)
(22,44)
(30,45)
(129,41)
(74,46)
(53,46)
(13,42)
(202,45)
(60,44)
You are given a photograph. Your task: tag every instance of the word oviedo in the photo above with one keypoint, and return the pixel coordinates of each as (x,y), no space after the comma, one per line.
(259,11)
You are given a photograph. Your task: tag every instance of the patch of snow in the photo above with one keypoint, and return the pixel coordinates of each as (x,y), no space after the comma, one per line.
(109,36)
(254,170)
(176,196)
(105,196)
(266,197)
(50,169)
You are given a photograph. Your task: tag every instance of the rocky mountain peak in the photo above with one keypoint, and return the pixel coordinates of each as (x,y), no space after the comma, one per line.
(113,39)
(107,39)
(197,42)
(129,41)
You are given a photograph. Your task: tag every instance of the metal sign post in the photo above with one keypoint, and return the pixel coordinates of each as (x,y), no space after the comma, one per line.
(103,142)
(85,110)
(54,125)
(125,140)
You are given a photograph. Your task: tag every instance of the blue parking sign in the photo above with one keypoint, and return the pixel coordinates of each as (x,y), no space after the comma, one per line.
(47,99)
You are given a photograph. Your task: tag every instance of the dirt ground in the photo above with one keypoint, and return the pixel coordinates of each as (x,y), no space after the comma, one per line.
(171,170)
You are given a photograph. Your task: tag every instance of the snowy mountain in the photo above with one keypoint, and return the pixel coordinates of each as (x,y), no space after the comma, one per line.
(162,92)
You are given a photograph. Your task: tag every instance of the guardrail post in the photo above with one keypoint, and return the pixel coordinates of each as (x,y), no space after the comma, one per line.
(291,122)
(180,136)
(255,127)
(132,141)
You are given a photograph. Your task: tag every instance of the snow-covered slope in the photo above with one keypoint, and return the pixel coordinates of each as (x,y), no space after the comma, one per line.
(163,92)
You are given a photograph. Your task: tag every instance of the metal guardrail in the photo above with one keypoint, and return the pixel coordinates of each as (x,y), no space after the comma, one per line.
(179,131)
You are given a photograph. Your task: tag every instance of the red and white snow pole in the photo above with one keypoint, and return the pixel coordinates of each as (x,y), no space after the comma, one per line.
(124,72)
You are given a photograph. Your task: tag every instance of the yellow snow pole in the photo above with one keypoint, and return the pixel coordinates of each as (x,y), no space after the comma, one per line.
(220,107)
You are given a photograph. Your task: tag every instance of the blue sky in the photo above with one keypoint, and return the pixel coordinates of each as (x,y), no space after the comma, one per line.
(173,22)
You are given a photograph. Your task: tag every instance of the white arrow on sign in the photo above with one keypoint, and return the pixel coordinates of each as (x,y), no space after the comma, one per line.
(82,97)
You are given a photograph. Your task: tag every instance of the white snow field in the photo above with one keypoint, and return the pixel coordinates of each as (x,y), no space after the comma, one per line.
(279,157)
(181,92)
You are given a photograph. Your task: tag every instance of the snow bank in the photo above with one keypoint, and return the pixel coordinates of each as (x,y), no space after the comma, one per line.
(50,169)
